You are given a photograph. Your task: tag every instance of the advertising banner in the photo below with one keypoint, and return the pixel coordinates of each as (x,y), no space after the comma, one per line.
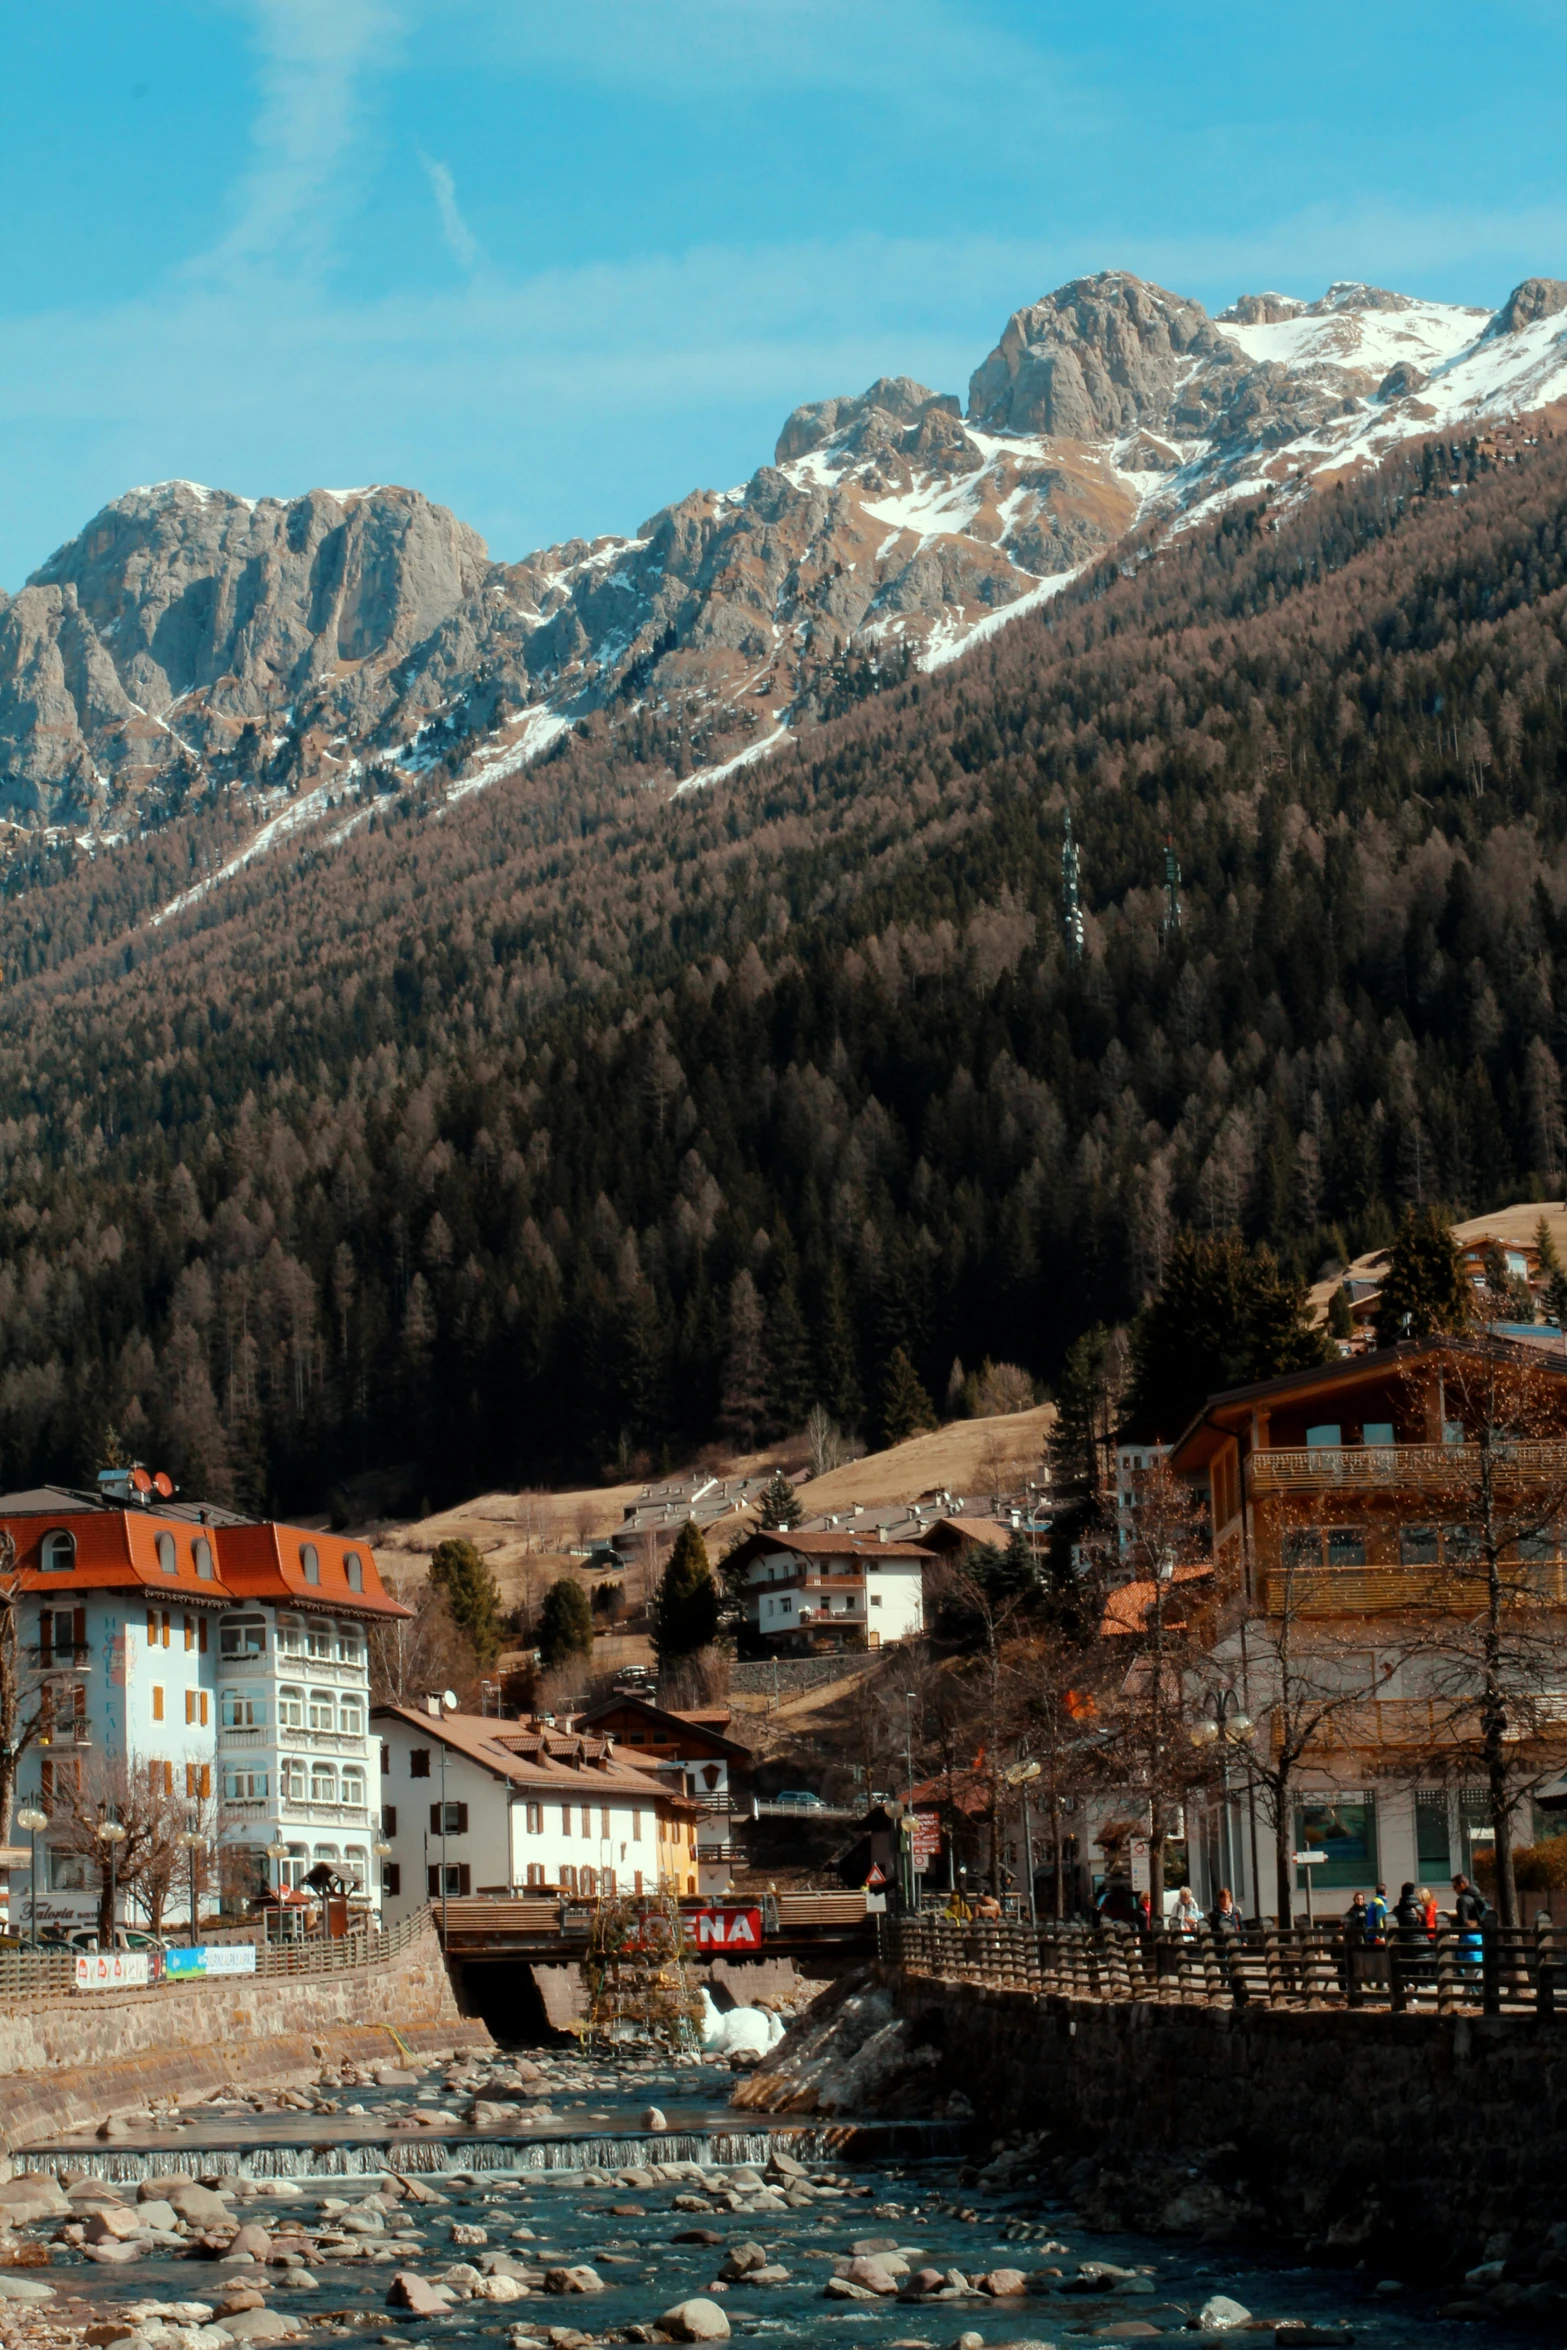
(729,1929)
(211,1958)
(113,1970)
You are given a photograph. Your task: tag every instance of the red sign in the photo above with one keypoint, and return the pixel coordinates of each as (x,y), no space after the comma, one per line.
(925,1834)
(875,1879)
(729,1929)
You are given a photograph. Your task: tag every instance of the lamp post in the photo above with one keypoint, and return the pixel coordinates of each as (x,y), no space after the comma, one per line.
(911,1891)
(382,1852)
(1021,1775)
(1227,1725)
(192,1842)
(32,1819)
(111,1833)
(277,1852)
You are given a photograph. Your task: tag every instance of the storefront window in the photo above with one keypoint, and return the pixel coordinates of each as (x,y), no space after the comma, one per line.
(1344,1827)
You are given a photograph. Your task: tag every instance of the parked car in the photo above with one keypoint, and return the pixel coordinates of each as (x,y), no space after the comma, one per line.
(799,1799)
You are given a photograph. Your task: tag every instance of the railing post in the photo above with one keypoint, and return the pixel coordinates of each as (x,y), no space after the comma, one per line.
(1545,1970)
(1490,1970)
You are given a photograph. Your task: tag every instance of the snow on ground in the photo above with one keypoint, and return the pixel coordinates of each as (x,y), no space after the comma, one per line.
(1427,334)
(746,758)
(289,819)
(540,728)
(952,635)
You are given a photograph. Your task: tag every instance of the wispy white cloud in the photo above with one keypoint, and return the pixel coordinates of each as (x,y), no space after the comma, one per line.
(313,57)
(458,235)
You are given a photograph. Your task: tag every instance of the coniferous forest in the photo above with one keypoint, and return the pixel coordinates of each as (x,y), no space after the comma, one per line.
(575,1124)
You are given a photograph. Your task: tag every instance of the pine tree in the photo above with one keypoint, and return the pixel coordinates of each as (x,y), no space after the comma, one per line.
(565,1624)
(906,1410)
(1341,1319)
(1423,1290)
(472,1595)
(743,1407)
(685,1607)
(1223,1316)
(1087,1408)
(838,1379)
(780,1504)
(790,1386)
(1551,1273)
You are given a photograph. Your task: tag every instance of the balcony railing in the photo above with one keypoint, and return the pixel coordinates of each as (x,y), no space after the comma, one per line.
(352,1815)
(1357,1467)
(1458,1588)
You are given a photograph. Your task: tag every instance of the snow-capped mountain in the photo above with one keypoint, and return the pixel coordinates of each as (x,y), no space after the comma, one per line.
(314,651)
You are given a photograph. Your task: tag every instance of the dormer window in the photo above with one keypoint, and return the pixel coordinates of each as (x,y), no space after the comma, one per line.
(168,1557)
(354,1569)
(57,1554)
(310,1562)
(201,1552)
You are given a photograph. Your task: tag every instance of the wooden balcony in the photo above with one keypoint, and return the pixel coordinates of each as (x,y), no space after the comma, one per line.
(1392,1589)
(1371,1468)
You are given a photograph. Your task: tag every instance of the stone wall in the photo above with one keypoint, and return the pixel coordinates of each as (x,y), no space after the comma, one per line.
(82,2055)
(1343,2130)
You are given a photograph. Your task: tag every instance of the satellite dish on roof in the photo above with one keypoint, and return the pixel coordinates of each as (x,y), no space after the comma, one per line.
(449,1700)
(141,1480)
(163,1483)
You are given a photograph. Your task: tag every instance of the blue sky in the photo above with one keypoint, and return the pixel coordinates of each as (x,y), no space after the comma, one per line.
(557,264)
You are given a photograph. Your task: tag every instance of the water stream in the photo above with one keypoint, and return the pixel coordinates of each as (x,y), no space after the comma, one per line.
(550,2196)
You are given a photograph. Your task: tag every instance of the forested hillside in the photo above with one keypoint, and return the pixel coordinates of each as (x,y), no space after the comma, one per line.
(580,1122)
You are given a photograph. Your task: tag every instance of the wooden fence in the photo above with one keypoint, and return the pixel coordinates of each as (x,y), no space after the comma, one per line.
(32,1975)
(1502,1971)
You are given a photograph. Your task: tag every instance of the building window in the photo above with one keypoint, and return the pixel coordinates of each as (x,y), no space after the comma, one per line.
(290,1641)
(68,1872)
(323,1783)
(449,1819)
(295,1865)
(354,1569)
(535,1874)
(57,1553)
(419,1763)
(198,1779)
(190,1707)
(350,1649)
(293,1774)
(587,1884)
(636,1827)
(391,1878)
(290,1707)
(875,1599)
(323,1709)
(157,1702)
(1418,1546)
(310,1562)
(565,1819)
(607,1883)
(160,1778)
(355,1866)
(458,1878)
(350,1717)
(354,1786)
(243,1786)
(321,1641)
(190,1634)
(327,1855)
(389,1819)
(1433,1833)
(243,1636)
(1346,1546)
(535,1818)
(168,1559)
(242,1709)
(568,1882)
(201,1551)
(1344,1827)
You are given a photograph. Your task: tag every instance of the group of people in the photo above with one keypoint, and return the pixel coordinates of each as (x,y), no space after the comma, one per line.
(1371,1921)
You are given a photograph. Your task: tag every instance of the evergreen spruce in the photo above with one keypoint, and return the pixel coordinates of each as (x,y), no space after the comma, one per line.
(1423,1290)
(565,1624)
(780,1507)
(471,1593)
(906,1410)
(686,1605)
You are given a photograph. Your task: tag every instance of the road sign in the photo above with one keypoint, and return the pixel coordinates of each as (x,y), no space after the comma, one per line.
(1308,1860)
(875,1880)
(925,1838)
(1142,1871)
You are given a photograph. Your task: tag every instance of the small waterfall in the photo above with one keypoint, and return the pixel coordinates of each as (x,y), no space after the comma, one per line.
(518,2157)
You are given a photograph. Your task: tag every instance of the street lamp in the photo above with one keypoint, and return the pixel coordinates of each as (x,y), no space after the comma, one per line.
(32,1819)
(911,1891)
(111,1833)
(277,1851)
(381,1849)
(192,1842)
(1020,1775)
(1226,1727)
(445,1704)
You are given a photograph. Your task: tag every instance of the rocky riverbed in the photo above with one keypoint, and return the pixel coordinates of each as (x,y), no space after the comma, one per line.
(571,2221)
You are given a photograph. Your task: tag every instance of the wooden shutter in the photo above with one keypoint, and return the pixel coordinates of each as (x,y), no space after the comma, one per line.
(201,1635)
(464,1879)
(392,1878)
(462,1819)
(389,1819)
(435,1884)
(157,1702)
(435,1819)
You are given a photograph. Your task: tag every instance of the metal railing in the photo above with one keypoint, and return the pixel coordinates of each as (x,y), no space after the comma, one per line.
(1501,1970)
(34,1975)
(1283,1468)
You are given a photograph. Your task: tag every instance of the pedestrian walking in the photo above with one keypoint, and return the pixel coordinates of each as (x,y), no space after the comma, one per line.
(1186,1917)
(1377,1914)
(1471,1911)
(1225,1918)
(1414,1943)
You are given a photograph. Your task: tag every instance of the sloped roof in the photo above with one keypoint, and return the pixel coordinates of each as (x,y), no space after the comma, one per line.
(553,1763)
(1126,1607)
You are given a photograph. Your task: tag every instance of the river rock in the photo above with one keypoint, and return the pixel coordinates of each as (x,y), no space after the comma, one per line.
(879,2272)
(410,2291)
(112,2252)
(742,2259)
(15,2288)
(577,2279)
(784,2165)
(774,2273)
(159,2189)
(156,2213)
(252,2238)
(486,2114)
(698,2320)
(261,2325)
(1219,2314)
(200,2205)
(32,2197)
(653,2119)
(846,2289)
(1002,2283)
(116,2221)
(463,2232)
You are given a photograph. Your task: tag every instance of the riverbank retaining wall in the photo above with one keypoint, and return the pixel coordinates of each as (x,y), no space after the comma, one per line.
(1340,2129)
(81,2056)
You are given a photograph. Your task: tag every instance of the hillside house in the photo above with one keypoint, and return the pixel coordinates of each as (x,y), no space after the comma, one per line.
(811,1593)
(689,1753)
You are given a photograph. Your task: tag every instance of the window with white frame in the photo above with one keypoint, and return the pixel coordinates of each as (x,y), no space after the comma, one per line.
(244,1786)
(350,1647)
(323,1709)
(243,1709)
(321,1639)
(353,1784)
(243,1636)
(356,1866)
(295,1778)
(323,1783)
(290,1707)
(290,1636)
(350,1714)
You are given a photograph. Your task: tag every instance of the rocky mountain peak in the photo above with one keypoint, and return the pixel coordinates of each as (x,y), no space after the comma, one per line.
(1260,310)
(1100,356)
(892,404)
(1536,298)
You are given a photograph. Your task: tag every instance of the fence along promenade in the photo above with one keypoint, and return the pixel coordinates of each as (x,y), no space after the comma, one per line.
(51,1973)
(1517,1970)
